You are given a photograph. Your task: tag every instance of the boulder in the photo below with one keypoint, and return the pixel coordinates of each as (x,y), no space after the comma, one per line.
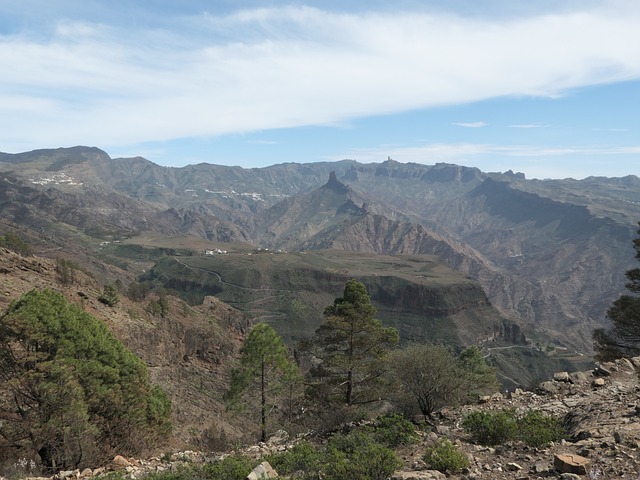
(120,462)
(549,387)
(571,463)
(561,376)
(262,471)
(578,377)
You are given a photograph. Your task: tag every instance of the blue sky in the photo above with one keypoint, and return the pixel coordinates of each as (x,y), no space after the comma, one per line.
(548,88)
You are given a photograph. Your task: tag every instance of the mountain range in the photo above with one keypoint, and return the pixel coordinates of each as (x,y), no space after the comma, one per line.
(550,255)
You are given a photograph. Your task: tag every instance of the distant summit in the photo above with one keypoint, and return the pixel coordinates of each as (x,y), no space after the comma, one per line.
(335,184)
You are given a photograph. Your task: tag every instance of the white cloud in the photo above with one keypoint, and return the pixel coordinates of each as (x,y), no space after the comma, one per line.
(284,67)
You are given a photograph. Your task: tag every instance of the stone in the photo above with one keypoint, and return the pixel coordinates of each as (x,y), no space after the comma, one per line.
(66,474)
(571,463)
(262,471)
(280,437)
(549,387)
(513,467)
(602,371)
(598,382)
(120,462)
(540,466)
(625,363)
(420,475)
(561,376)
(569,476)
(578,377)
(87,472)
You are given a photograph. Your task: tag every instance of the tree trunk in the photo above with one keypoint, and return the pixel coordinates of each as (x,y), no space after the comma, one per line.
(263,412)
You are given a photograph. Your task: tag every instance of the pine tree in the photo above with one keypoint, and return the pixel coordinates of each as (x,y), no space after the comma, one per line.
(264,376)
(351,348)
(69,389)
(623,337)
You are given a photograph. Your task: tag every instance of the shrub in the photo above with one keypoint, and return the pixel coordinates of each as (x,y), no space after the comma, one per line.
(371,461)
(350,442)
(354,456)
(233,467)
(445,457)
(538,430)
(303,461)
(109,296)
(393,430)
(15,243)
(535,428)
(491,428)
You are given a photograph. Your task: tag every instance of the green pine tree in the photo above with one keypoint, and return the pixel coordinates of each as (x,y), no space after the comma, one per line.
(264,375)
(70,389)
(351,348)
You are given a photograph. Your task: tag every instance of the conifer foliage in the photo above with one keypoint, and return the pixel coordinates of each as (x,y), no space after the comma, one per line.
(264,375)
(623,337)
(70,392)
(351,347)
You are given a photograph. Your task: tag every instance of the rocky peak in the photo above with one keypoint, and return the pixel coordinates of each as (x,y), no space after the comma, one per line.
(335,184)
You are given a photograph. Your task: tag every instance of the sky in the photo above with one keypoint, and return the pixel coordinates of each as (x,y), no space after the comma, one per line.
(549,88)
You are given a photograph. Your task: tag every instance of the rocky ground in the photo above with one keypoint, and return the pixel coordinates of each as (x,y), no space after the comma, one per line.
(602,408)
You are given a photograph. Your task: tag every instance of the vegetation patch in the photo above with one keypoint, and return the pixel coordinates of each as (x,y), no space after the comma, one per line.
(70,392)
(534,428)
(445,457)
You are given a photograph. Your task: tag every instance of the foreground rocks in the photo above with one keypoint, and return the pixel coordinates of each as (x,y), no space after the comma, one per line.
(602,412)
(601,408)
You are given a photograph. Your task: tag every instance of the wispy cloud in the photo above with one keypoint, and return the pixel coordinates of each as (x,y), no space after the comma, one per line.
(109,84)
(470,124)
(457,152)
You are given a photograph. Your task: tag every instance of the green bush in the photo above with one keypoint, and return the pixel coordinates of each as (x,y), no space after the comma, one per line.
(109,296)
(535,428)
(182,473)
(233,467)
(538,430)
(354,456)
(14,242)
(303,461)
(351,442)
(445,457)
(393,430)
(492,428)
(369,462)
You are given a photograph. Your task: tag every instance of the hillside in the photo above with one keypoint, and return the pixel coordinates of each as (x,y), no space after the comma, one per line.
(187,352)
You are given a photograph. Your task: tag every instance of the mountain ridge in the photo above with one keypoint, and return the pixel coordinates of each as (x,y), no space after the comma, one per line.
(550,252)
